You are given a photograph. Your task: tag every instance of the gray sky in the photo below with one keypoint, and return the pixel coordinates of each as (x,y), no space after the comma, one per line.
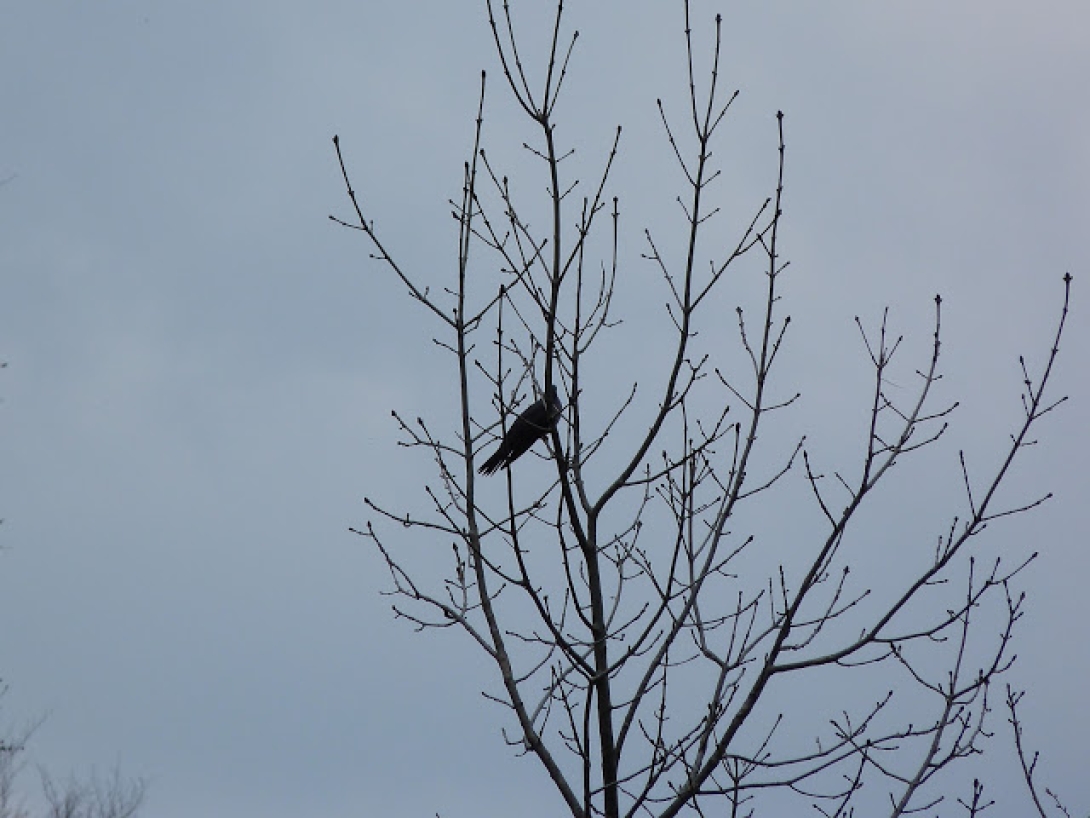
(201,366)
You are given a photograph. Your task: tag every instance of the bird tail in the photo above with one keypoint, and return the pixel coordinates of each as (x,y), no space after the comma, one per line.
(493,463)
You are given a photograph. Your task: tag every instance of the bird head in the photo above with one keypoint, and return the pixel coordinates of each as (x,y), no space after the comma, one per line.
(552,398)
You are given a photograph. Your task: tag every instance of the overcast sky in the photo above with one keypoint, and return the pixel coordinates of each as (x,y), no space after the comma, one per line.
(201,366)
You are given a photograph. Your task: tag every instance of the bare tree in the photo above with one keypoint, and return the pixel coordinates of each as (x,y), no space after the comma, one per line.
(656,650)
(112,796)
(11,747)
(98,797)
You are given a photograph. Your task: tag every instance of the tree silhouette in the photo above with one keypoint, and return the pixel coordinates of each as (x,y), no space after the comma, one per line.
(657,651)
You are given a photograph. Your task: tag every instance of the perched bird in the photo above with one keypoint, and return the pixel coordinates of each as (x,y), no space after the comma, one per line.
(529,427)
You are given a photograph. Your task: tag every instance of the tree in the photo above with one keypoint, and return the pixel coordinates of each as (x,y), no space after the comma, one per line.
(96,797)
(11,745)
(656,649)
(110,797)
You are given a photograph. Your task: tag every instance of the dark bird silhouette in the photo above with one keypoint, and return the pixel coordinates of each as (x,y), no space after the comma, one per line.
(529,427)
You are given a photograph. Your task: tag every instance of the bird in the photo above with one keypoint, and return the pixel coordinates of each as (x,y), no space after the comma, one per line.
(531,426)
